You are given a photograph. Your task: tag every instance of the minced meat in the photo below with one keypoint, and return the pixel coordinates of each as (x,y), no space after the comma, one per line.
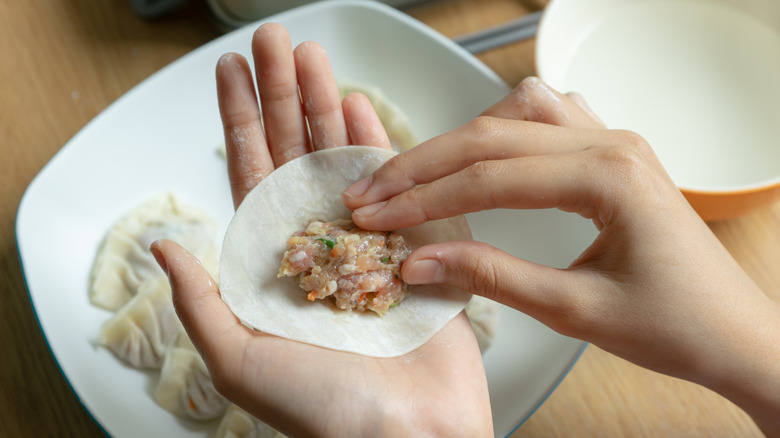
(358,268)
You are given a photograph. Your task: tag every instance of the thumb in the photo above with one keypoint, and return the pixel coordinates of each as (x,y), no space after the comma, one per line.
(206,318)
(552,296)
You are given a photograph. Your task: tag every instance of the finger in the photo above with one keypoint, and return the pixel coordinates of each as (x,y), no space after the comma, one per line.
(484,138)
(226,345)
(363,124)
(206,318)
(320,95)
(248,160)
(535,101)
(555,297)
(567,182)
(277,85)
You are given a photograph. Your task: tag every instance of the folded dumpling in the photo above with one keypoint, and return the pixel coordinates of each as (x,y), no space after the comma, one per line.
(141,331)
(393,119)
(237,423)
(124,262)
(185,387)
(483,315)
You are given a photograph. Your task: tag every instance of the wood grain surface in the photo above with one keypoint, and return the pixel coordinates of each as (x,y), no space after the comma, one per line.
(62,62)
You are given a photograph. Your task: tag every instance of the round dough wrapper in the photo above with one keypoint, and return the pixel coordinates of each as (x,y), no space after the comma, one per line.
(255,241)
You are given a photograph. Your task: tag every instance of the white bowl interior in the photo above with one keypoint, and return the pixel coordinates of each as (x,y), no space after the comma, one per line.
(697,78)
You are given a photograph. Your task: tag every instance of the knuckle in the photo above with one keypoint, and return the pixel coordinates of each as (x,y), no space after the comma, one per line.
(481,274)
(628,168)
(271,91)
(485,128)
(481,176)
(413,202)
(239,121)
(288,151)
(320,108)
(633,141)
(395,171)
(529,83)
(625,164)
(479,171)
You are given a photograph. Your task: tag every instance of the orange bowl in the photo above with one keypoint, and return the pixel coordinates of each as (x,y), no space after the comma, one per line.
(697,79)
(715,206)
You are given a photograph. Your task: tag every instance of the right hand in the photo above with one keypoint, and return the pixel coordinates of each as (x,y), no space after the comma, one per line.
(655,287)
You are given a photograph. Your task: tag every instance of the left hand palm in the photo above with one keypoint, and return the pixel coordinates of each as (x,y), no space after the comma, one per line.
(438,389)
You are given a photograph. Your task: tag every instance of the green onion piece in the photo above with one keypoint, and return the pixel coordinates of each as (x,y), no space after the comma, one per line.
(385,259)
(329,243)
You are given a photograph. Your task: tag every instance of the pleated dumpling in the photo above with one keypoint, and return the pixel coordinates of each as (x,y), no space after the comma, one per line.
(237,423)
(141,331)
(185,387)
(483,315)
(124,262)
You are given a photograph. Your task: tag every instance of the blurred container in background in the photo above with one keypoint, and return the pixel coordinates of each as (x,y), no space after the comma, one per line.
(236,13)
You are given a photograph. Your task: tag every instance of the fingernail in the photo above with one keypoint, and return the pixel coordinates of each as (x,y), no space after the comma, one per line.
(158,256)
(224,59)
(426,271)
(370,210)
(358,188)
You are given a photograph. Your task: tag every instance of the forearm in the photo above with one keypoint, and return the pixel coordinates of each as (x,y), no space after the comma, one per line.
(749,375)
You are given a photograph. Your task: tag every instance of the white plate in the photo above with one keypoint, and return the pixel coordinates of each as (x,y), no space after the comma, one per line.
(163,135)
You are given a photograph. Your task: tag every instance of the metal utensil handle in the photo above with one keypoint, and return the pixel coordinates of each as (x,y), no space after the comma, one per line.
(493,37)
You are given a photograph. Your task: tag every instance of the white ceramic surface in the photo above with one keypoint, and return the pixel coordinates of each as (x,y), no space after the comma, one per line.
(164,135)
(697,78)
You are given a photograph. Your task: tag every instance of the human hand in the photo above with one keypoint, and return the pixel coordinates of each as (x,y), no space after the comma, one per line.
(655,287)
(439,389)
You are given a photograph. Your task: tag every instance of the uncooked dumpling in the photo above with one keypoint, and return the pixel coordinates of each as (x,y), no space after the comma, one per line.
(124,261)
(483,315)
(395,121)
(237,423)
(185,387)
(141,331)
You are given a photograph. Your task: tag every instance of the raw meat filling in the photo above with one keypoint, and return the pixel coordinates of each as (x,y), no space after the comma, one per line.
(358,268)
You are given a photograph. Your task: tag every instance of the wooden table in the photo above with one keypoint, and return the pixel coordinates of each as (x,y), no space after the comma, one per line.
(61,63)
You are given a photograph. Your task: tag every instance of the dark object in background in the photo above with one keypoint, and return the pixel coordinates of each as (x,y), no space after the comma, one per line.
(235,13)
(152,9)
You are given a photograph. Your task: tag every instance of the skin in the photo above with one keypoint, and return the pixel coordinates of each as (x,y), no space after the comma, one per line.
(656,287)
(440,389)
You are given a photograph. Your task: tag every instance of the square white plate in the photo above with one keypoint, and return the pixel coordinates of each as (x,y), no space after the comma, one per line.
(163,135)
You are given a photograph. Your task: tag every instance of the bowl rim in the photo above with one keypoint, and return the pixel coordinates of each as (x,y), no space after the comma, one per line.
(545,32)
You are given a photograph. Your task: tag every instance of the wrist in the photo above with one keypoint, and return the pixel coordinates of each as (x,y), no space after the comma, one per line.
(468,416)
(437,425)
(748,372)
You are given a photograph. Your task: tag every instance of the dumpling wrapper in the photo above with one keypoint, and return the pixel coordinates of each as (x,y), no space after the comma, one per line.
(255,241)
